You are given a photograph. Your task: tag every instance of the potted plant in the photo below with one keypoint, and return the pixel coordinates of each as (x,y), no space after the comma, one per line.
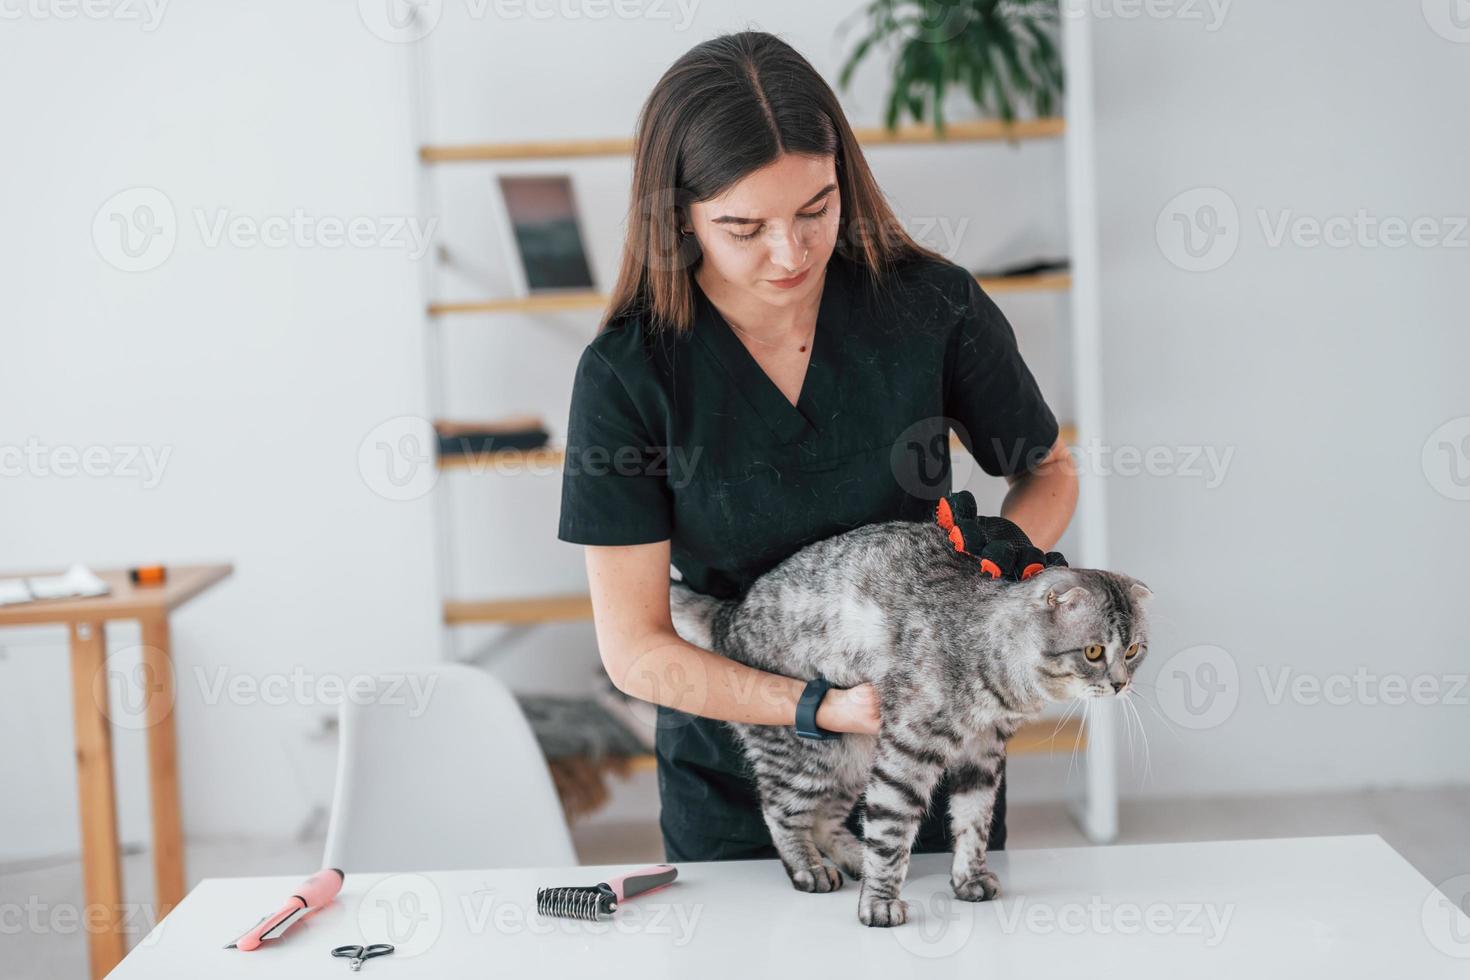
(1003,52)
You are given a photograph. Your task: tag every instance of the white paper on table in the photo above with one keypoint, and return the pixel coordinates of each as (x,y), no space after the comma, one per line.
(13,590)
(77,582)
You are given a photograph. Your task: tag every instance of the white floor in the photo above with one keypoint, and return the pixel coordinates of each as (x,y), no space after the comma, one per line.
(38,901)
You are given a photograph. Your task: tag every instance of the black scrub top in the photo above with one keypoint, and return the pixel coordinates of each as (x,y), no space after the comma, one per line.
(686,438)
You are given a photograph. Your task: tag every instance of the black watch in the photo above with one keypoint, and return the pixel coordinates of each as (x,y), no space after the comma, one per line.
(806,710)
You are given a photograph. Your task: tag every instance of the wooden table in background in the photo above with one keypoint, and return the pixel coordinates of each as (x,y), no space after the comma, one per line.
(86,620)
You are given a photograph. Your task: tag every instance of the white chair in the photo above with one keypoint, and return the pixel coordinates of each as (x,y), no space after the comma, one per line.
(444,779)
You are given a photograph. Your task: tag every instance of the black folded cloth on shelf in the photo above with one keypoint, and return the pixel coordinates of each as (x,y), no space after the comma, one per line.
(491,442)
(1033,267)
(464,440)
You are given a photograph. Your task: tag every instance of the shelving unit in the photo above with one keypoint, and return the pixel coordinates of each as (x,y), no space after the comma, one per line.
(1049,282)
(1096,812)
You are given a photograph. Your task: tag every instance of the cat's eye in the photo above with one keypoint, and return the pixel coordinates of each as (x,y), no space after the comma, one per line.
(1131,652)
(1093,651)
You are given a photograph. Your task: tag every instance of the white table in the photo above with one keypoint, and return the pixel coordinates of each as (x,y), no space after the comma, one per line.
(1303,907)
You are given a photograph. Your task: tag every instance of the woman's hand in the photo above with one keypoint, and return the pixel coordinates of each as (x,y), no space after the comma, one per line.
(850,709)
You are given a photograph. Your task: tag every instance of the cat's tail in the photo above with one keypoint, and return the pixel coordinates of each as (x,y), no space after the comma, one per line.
(694,614)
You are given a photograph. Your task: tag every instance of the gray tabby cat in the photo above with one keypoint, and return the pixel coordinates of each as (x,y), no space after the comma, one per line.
(959,661)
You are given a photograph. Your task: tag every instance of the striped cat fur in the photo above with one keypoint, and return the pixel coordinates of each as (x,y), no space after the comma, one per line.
(959,662)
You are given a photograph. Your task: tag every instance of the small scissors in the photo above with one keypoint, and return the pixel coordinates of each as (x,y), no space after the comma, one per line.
(360,953)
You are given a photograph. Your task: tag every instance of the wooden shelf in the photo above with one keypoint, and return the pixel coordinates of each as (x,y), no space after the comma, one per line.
(969,131)
(518,612)
(550,303)
(1043,736)
(511,461)
(1044,282)
(980,130)
(1051,282)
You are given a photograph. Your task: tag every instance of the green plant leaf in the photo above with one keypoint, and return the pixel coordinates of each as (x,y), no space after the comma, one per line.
(858,54)
(1005,58)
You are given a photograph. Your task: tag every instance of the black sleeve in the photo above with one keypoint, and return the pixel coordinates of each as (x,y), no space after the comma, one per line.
(613,491)
(1004,421)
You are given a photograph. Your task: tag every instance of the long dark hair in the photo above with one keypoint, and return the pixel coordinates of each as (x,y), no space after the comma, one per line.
(725,109)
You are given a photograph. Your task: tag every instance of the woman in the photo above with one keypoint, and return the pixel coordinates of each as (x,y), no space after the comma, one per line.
(780,362)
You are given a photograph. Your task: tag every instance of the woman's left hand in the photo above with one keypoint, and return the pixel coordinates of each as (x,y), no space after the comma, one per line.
(850,709)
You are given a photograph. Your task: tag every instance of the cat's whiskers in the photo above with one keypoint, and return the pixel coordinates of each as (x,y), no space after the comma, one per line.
(1077,742)
(1168,725)
(1142,737)
(1127,726)
(1071,707)
(1148,749)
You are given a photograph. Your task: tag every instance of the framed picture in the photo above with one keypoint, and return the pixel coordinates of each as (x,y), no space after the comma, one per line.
(544,232)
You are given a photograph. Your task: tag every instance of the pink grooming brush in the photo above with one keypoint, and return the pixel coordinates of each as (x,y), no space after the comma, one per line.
(593,901)
(314,893)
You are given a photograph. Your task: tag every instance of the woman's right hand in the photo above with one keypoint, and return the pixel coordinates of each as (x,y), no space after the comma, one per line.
(850,709)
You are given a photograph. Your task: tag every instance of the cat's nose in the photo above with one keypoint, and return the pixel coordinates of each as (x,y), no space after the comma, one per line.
(1119,685)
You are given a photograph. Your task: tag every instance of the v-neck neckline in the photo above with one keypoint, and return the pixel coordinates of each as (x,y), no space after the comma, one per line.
(789,422)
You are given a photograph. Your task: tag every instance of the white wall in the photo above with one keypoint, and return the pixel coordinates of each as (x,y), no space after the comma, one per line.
(1327,547)
(262,370)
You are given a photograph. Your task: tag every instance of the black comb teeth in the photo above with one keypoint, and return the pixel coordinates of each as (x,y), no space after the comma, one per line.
(585,902)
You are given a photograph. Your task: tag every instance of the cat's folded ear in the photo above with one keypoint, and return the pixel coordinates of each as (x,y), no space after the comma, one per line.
(1055,598)
(1140,592)
(1057,588)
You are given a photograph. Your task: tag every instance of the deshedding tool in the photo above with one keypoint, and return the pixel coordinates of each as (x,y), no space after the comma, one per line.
(593,901)
(313,893)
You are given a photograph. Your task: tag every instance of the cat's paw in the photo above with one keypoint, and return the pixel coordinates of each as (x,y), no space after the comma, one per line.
(851,863)
(980,887)
(847,854)
(881,912)
(817,878)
